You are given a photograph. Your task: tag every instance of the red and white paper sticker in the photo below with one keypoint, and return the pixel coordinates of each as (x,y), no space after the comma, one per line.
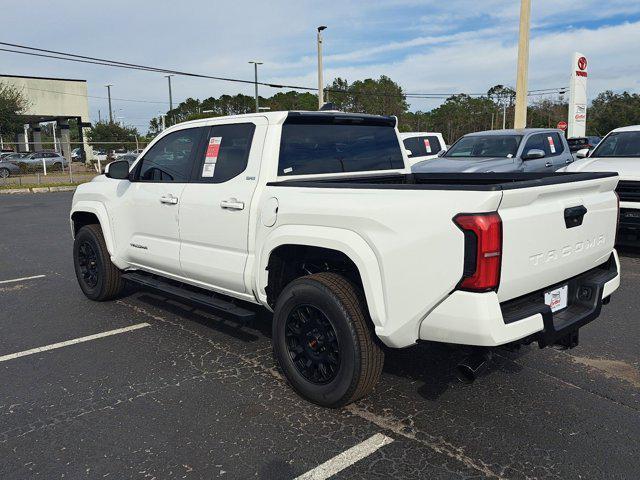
(427,145)
(213,149)
(211,157)
(552,147)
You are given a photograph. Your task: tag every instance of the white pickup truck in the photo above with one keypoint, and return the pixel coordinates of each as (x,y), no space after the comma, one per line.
(316,216)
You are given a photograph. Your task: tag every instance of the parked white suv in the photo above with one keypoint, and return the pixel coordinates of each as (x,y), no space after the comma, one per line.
(422,145)
(316,216)
(619,152)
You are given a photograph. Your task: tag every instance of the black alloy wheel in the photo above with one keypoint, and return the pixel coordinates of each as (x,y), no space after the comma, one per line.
(312,344)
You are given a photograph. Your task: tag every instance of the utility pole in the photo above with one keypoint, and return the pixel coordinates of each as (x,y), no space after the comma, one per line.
(170,96)
(109,95)
(320,80)
(255,71)
(520,120)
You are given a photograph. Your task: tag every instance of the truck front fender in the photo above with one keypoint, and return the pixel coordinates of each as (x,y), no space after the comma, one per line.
(345,241)
(98,209)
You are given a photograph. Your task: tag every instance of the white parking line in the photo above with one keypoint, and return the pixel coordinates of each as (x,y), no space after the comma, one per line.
(21,279)
(88,338)
(346,458)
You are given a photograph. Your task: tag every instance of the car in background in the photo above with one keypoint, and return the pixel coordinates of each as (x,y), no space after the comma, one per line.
(77,154)
(8,168)
(422,145)
(52,160)
(619,152)
(15,156)
(580,143)
(520,150)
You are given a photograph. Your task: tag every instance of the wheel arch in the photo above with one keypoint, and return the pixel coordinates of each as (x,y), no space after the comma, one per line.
(85,213)
(339,245)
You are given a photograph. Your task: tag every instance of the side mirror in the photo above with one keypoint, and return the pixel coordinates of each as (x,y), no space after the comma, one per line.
(442,152)
(408,152)
(533,154)
(118,170)
(582,153)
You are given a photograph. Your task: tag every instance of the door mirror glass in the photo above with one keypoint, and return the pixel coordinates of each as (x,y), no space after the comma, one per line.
(533,154)
(582,153)
(118,170)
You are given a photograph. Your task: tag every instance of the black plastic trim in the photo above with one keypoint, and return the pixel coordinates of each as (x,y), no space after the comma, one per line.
(581,308)
(446,181)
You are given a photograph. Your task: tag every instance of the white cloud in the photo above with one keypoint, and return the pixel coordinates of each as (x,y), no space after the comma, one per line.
(427,46)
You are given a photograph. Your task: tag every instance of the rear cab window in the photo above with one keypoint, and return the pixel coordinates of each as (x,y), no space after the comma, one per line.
(323,143)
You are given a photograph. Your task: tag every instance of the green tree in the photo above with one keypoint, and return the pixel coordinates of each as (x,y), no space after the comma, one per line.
(110,135)
(612,110)
(12,104)
(377,97)
(462,114)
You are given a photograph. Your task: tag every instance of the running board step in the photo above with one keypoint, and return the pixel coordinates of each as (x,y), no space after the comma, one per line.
(189,294)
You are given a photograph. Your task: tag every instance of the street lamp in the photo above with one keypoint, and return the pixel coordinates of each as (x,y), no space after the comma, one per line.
(320,81)
(109,95)
(255,70)
(170,96)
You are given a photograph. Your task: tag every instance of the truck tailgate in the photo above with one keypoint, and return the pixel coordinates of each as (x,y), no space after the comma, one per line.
(543,240)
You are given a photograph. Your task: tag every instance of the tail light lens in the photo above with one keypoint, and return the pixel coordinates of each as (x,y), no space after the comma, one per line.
(482,251)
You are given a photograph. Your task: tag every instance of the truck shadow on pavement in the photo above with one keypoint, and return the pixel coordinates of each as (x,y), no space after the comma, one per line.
(432,365)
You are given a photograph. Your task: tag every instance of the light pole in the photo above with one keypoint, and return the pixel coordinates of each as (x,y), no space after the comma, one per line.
(320,80)
(520,120)
(255,71)
(109,95)
(170,96)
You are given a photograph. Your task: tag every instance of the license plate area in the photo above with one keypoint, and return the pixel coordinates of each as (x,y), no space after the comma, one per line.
(557,299)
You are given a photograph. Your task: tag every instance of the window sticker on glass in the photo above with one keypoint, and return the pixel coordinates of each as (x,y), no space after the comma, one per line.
(211,157)
(427,145)
(214,148)
(552,146)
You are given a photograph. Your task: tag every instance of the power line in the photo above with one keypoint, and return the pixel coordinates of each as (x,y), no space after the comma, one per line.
(95,96)
(54,54)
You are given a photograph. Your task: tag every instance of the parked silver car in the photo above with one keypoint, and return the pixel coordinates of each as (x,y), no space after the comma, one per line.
(7,168)
(522,150)
(52,160)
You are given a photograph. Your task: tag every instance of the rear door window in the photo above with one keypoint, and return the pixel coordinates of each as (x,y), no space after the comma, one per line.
(316,144)
(422,146)
(227,152)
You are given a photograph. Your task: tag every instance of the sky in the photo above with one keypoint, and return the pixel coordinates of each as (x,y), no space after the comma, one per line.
(429,46)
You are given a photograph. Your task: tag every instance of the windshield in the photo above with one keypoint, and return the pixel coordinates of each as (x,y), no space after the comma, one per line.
(619,144)
(485,146)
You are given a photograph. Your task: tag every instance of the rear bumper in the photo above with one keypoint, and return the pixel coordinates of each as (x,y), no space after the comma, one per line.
(479,319)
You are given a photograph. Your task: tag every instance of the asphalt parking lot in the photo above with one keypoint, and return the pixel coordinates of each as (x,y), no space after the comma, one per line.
(174,392)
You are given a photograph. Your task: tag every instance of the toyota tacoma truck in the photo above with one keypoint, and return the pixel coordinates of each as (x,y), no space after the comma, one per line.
(618,152)
(317,217)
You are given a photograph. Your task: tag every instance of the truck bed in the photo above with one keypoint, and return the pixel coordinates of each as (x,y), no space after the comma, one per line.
(447,181)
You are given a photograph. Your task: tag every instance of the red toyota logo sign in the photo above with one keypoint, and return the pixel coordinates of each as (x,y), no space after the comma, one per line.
(582,63)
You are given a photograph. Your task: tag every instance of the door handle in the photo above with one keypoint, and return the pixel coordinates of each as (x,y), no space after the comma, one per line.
(548,164)
(169,199)
(568,161)
(232,204)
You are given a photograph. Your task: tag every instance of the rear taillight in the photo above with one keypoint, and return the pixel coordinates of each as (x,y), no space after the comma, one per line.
(482,251)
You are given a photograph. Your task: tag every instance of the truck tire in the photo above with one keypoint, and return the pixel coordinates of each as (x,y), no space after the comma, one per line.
(323,341)
(98,278)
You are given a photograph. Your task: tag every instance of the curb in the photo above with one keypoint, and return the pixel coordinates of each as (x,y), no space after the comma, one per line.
(9,191)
